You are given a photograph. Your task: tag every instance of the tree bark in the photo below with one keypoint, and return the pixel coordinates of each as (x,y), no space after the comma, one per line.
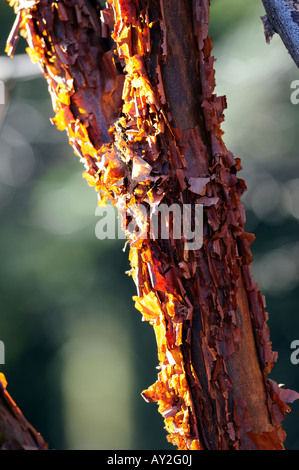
(15,431)
(133,85)
(283,18)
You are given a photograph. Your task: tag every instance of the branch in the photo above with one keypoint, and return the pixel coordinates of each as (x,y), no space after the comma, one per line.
(133,86)
(15,431)
(283,18)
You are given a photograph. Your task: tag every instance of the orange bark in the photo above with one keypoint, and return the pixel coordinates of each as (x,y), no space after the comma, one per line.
(133,85)
(15,431)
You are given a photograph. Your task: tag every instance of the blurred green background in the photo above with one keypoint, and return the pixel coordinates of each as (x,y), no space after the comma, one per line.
(77,354)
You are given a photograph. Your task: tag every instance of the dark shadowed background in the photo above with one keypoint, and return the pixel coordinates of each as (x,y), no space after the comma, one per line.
(77,353)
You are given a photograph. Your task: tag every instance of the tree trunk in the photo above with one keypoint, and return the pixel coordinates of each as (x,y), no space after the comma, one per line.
(133,85)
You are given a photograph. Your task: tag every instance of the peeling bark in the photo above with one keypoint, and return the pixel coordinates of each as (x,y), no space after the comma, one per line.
(133,86)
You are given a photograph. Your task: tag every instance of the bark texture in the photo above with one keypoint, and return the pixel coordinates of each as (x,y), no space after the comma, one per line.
(133,85)
(283,18)
(15,431)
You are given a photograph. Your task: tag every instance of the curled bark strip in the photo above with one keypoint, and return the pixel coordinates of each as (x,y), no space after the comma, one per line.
(133,85)
(15,431)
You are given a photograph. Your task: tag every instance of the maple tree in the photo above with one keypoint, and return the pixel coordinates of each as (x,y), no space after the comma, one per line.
(132,83)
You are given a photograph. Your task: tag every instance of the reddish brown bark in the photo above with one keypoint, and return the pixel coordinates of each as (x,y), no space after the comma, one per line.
(15,431)
(133,86)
